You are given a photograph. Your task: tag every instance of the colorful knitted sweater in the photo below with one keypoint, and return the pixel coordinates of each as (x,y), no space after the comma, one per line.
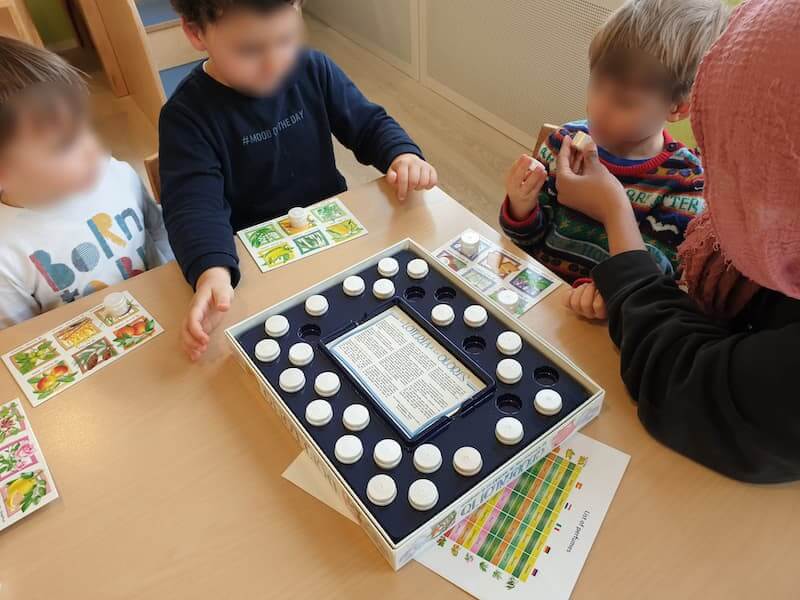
(666,192)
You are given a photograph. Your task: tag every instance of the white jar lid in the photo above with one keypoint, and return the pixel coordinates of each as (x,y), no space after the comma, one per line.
(443,315)
(383,289)
(353,286)
(348,449)
(417,269)
(508,299)
(388,267)
(509,343)
(470,241)
(267,351)
(327,384)
(316,305)
(467,461)
(116,304)
(423,495)
(387,454)
(319,413)
(355,417)
(509,371)
(509,431)
(427,458)
(548,402)
(298,216)
(301,354)
(292,380)
(475,316)
(381,490)
(276,326)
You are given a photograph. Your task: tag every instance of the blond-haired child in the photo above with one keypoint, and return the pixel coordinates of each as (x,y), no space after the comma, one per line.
(643,64)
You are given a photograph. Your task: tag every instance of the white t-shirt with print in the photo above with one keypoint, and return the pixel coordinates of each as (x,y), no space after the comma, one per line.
(52,255)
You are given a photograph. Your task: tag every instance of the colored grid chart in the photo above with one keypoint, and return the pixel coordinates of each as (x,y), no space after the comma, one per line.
(510,531)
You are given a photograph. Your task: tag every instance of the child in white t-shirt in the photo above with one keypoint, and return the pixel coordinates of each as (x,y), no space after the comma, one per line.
(72,220)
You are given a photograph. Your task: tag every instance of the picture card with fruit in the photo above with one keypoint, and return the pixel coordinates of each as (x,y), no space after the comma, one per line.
(53,362)
(26,483)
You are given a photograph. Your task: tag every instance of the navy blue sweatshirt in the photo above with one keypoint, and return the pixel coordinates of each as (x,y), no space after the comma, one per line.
(229,161)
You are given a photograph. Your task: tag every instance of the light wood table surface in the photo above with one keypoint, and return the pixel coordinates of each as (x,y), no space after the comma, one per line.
(170,472)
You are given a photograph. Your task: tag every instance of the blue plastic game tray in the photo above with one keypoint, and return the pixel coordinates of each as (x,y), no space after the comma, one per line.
(472,425)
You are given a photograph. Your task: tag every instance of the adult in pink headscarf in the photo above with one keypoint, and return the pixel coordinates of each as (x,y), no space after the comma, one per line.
(716,372)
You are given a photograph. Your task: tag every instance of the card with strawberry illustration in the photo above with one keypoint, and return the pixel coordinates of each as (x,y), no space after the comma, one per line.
(61,358)
(26,483)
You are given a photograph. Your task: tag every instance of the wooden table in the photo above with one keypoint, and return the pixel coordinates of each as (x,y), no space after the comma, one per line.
(170,472)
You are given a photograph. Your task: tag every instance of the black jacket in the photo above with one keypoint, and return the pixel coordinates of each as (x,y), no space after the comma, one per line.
(726,394)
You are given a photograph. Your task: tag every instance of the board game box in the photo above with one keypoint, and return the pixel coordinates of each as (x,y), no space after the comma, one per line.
(416,397)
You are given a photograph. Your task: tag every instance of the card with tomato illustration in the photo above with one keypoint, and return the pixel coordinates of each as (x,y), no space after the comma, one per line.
(95,354)
(76,333)
(26,483)
(51,380)
(34,356)
(134,333)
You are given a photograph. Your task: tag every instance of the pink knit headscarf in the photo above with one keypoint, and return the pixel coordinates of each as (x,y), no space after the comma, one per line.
(746,116)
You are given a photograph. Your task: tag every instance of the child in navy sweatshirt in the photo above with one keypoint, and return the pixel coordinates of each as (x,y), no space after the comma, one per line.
(247,136)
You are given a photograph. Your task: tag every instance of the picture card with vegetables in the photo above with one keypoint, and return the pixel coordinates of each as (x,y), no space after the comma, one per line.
(278,242)
(490,269)
(26,483)
(64,356)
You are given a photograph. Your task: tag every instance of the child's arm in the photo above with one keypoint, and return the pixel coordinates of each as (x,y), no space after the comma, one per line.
(196,216)
(521,216)
(196,213)
(374,137)
(530,195)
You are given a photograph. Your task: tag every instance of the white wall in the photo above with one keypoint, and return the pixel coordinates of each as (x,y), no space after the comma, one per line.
(515,64)
(389,28)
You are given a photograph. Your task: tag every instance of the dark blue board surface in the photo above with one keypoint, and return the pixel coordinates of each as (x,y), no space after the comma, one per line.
(473,428)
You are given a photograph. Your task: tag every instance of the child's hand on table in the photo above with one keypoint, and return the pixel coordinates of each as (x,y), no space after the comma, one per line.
(587,302)
(409,172)
(523,184)
(212,299)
